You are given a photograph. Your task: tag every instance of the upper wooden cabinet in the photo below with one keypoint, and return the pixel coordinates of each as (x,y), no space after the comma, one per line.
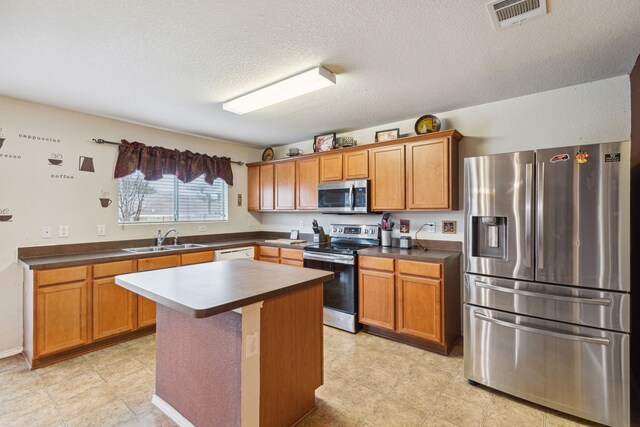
(253,188)
(331,167)
(356,165)
(307,175)
(285,186)
(386,166)
(266,186)
(413,173)
(432,170)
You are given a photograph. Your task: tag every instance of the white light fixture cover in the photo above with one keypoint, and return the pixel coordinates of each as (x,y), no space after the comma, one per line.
(306,82)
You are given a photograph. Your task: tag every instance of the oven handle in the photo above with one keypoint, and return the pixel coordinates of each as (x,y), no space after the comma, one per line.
(338,259)
(561,335)
(575,300)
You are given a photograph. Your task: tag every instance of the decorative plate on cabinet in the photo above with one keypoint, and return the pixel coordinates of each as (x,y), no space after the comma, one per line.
(427,124)
(267,154)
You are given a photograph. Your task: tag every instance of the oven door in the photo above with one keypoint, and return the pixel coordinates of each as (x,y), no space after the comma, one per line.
(340,292)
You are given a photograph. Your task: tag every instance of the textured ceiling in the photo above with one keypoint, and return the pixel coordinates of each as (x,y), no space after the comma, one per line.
(171,64)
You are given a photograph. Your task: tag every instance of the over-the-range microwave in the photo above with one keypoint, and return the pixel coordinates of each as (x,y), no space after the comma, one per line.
(344,197)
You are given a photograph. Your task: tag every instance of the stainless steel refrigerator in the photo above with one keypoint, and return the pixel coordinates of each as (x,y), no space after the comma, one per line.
(547,287)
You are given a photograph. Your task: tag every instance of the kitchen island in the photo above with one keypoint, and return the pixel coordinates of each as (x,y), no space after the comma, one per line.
(238,342)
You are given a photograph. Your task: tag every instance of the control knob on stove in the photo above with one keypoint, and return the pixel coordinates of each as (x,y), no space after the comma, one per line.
(340,230)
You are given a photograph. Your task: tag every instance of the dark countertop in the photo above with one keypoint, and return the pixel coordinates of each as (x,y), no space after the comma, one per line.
(111,255)
(414,254)
(204,290)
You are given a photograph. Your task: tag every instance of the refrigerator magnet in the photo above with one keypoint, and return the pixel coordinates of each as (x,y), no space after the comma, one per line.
(560,158)
(582,157)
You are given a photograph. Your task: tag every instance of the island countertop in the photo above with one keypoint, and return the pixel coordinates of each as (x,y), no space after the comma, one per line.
(204,290)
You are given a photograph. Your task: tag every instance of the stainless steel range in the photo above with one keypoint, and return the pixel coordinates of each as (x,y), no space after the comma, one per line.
(547,287)
(340,256)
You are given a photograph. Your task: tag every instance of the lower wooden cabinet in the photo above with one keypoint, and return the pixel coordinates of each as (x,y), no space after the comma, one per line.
(146,307)
(405,300)
(62,317)
(376,298)
(418,307)
(196,258)
(114,309)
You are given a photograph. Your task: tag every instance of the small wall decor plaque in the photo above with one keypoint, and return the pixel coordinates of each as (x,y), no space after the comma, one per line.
(324,142)
(448,227)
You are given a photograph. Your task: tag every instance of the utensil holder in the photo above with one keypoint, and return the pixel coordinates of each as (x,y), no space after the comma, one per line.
(386,238)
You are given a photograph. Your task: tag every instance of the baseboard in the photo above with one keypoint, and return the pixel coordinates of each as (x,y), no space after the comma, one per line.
(11,352)
(170,412)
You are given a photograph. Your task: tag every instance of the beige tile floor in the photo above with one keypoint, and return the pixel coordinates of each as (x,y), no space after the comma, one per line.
(369,381)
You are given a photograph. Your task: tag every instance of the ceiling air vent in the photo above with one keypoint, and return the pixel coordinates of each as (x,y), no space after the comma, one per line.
(508,13)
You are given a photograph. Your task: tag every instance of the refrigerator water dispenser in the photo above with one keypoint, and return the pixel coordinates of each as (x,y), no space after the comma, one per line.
(489,237)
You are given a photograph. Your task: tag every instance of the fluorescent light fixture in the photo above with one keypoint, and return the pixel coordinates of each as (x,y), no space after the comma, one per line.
(306,82)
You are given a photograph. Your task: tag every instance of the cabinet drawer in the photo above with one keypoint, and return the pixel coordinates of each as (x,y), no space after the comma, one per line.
(374,263)
(156,263)
(291,254)
(112,268)
(274,260)
(269,251)
(197,257)
(62,275)
(294,262)
(428,269)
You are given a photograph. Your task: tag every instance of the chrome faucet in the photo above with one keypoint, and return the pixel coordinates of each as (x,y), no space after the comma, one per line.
(160,238)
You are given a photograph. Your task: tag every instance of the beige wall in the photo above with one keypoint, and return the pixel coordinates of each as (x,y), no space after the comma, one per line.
(589,113)
(37,200)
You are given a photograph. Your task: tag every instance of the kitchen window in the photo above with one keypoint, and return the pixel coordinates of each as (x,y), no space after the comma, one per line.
(170,200)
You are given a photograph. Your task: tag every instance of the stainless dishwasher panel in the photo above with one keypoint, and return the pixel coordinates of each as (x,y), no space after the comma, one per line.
(599,309)
(578,370)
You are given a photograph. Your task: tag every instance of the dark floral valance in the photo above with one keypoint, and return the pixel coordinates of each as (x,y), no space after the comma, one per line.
(155,162)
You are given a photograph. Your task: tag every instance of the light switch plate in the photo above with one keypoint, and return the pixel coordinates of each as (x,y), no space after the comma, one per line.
(301,224)
(63,231)
(239,199)
(46,232)
(252,345)
(202,228)
(102,230)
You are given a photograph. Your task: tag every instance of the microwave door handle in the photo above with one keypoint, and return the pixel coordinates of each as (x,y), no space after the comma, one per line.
(351,199)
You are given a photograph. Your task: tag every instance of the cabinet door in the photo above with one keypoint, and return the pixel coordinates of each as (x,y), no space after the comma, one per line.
(331,167)
(307,178)
(146,307)
(114,308)
(285,183)
(266,187)
(386,166)
(428,174)
(294,262)
(61,317)
(253,188)
(376,298)
(418,307)
(356,165)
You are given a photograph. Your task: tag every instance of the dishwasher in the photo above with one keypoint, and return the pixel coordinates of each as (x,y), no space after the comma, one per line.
(234,253)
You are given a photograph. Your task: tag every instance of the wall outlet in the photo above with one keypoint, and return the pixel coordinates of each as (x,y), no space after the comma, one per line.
(46,232)
(102,230)
(202,228)
(250,223)
(63,231)
(301,226)
(431,227)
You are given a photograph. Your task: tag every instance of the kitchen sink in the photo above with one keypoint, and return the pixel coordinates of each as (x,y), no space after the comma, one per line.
(186,246)
(149,249)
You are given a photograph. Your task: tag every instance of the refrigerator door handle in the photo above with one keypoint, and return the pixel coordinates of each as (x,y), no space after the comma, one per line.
(527,214)
(540,218)
(584,338)
(575,300)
